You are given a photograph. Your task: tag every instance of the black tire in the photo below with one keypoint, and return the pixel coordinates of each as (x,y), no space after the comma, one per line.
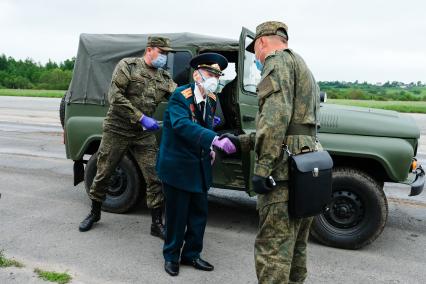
(62,110)
(125,187)
(357,213)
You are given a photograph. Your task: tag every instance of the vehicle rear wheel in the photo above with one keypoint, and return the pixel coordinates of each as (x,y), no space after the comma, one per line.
(357,213)
(124,191)
(62,110)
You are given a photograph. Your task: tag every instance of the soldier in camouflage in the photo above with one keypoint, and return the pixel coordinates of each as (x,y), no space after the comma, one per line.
(288,99)
(138,85)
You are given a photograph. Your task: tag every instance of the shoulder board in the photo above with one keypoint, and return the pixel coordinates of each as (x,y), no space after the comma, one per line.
(212,96)
(187,93)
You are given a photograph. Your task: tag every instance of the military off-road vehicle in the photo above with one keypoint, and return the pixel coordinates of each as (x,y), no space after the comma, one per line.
(368,146)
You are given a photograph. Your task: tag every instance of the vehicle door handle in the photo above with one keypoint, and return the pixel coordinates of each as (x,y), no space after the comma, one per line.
(248,118)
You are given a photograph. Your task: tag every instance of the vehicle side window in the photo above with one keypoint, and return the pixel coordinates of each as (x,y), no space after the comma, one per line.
(251,76)
(178,66)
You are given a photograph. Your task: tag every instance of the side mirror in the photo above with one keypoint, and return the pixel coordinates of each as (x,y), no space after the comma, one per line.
(323,97)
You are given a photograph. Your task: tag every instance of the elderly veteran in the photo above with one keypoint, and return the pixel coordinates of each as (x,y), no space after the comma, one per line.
(185,162)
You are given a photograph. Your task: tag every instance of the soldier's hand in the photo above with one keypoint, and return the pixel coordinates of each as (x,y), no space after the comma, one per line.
(261,185)
(234,139)
(149,123)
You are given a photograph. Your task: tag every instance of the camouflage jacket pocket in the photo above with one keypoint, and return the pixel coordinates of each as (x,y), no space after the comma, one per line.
(136,85)
(267,86)
(163,86)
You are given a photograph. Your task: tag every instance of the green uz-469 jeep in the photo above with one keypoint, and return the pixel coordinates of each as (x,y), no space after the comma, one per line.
(368,147)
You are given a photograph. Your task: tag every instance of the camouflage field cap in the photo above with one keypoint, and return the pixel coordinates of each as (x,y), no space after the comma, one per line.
(162,43)
(269,28)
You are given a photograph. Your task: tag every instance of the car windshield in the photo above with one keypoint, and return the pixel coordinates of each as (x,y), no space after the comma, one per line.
(251,74)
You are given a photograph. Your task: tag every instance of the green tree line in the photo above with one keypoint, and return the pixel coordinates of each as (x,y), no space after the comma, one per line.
(388,91)
(27,74)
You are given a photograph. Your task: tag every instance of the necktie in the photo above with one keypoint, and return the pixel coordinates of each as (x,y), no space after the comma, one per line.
(202,108)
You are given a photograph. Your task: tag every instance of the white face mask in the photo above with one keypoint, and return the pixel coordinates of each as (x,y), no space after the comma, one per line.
(210,84)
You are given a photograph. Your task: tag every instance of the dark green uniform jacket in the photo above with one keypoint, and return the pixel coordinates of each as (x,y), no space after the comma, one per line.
(184,157)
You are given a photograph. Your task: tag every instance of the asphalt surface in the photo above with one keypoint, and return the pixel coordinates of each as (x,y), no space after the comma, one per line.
(40,211)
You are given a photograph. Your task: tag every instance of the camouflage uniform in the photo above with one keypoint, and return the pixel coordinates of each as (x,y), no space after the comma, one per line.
(288,95)
(136,89)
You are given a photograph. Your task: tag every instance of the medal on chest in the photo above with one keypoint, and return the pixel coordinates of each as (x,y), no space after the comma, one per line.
(192,108)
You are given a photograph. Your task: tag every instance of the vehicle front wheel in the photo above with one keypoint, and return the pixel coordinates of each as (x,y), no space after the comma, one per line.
(357,213)
(124,190)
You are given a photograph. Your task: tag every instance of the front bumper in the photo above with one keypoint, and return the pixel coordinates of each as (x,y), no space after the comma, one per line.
(419,182)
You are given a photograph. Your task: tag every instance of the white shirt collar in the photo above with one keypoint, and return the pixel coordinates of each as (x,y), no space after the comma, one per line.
(198,96)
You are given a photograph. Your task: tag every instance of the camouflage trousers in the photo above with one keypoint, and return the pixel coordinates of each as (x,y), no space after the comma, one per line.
(112,149)
(281,242)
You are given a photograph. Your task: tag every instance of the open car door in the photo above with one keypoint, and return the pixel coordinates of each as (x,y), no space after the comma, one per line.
(248,78)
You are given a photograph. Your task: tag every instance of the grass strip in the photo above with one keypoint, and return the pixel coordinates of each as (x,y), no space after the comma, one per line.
(51,276)
(32,93)
(400,106)
(5,262)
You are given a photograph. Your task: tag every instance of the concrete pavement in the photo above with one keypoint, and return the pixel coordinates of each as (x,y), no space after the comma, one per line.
(40,211)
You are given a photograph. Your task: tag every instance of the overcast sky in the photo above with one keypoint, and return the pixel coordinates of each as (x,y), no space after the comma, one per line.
(371,40)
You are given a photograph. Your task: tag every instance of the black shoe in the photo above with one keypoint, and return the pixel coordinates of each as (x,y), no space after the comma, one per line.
(157,227)
(171,268)
(158,230)
(93,217)
(198,263)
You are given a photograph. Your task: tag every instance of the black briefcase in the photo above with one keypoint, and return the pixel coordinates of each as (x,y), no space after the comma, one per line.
(310,180)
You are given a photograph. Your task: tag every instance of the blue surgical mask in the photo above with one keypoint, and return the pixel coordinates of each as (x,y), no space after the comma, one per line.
(259,64)
(160,61)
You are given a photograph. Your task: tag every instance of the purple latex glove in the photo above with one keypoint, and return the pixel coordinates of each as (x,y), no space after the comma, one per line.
(149,123)
(216,121)
(225,145)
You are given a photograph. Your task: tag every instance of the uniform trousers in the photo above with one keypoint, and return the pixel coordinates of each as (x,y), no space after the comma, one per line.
(186,218)
(281,241)
(112,149)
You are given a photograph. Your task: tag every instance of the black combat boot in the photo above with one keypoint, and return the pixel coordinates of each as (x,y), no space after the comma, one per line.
(93,217)
(157,228)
